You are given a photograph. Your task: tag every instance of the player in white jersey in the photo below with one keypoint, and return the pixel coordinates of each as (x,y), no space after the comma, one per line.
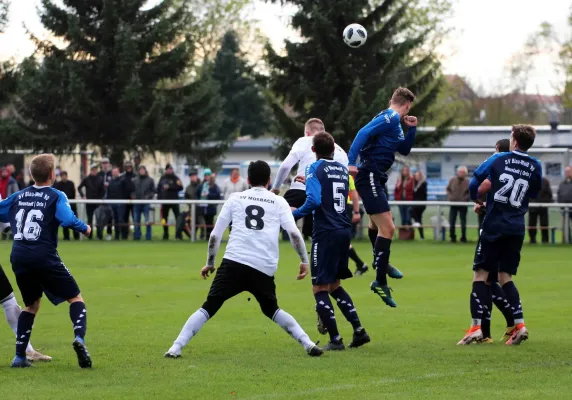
(303,155)
(251,258)
(12,310)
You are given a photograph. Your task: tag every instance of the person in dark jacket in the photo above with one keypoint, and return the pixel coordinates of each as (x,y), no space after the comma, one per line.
(535,213)
(68,187)
(209,190)
(116,191)
(404,192)
(128,176)
(183,225)
(94,190)
(105,172)
(419,194)
(168,188)
(143,189)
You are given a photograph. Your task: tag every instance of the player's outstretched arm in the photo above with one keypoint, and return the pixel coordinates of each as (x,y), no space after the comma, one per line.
(66,217)
(222,222)
(313,195)
(404,148)
(284,170)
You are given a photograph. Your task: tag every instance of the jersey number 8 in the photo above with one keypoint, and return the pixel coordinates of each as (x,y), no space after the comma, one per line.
(253,218)
(519,189)
(31,229)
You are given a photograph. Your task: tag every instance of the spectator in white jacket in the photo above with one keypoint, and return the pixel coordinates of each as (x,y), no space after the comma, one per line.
(234,184)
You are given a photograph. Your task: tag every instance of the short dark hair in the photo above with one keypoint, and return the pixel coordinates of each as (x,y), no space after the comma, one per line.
(63,173)
(524,136)
(323,145)
(42,167)
(503,146)
(402,96)
(258,173)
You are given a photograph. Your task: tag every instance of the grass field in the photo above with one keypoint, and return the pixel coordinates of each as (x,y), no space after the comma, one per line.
(140,294)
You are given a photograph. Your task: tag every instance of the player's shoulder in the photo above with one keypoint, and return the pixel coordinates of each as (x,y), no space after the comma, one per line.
(302,143)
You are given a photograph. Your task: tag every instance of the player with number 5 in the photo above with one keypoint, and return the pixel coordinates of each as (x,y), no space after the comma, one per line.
(514,177)
(35,215)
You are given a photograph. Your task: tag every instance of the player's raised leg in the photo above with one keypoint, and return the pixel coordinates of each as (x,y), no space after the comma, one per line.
(381,251)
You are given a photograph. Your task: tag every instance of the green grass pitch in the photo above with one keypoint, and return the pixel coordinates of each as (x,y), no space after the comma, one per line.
(140,294)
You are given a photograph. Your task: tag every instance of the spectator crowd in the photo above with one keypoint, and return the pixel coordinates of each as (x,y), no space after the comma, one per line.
(116,220)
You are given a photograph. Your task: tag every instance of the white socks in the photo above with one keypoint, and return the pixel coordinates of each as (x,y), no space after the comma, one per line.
(289,324)
(191,328)
(12,311)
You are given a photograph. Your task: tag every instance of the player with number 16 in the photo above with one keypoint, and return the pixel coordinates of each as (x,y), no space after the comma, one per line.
(35,215)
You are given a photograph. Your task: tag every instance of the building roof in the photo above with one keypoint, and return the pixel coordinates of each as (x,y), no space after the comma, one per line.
(460,137)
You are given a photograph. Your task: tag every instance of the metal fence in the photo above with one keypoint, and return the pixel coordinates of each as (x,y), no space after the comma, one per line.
(435,211)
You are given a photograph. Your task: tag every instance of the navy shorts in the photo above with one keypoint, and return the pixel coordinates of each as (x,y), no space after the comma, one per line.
(330,256)
(49,276)
(370,187)
(500,255)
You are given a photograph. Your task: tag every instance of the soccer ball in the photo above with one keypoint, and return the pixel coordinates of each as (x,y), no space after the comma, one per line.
(355,35)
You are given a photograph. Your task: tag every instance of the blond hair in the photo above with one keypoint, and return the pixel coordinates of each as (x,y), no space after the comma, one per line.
(402,96)
(311,121)
(42,167)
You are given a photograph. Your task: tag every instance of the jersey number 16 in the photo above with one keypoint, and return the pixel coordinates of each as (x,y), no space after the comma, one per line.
(519,189)
(31,229)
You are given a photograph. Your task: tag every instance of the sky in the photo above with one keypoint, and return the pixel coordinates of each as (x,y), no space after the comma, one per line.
(486,34)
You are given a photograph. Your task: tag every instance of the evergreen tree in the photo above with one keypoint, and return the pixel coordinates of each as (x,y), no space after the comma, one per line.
(109,86)
(245,110)
(322,77)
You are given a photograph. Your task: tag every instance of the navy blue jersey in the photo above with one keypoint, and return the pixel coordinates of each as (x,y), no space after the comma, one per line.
(377,142)
(34,215)
(515,178)
(327,187)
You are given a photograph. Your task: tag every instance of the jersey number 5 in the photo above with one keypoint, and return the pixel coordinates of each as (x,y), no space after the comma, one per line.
(253,218)
(339,199)
(31,229)
(519,189)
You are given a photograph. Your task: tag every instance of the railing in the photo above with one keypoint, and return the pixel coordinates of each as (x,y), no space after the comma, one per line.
(565,208)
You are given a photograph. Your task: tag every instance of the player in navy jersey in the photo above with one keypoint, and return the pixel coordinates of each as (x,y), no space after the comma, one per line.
(498,295)
(515,177)
(376,144)
(327,186)
(35,215)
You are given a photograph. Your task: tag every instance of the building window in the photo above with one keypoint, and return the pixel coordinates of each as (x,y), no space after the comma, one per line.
(553,169)
(433,170)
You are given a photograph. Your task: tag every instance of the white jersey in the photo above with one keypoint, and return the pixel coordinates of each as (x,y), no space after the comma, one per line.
(257,215)
(302,151)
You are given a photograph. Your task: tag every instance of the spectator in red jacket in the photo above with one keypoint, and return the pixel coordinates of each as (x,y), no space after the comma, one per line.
(404,192)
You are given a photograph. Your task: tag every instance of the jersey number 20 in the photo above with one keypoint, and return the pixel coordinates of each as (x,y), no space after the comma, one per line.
(31,229)
(519,189)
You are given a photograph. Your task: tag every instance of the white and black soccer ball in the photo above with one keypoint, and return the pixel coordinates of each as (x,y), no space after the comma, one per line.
(355,35)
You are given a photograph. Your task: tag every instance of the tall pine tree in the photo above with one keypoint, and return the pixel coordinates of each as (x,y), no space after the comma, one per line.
(110,85)
(245,109)
(322,77)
